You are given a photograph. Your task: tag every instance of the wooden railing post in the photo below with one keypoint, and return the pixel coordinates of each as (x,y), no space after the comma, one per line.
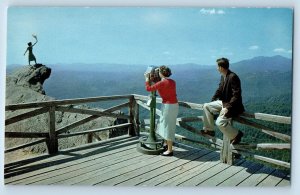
(136,118)
(52,142)
(89,137)
(226,155)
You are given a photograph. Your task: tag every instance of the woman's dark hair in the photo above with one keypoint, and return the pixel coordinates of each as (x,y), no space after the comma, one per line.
(223,62)
(166,71)
(29,44)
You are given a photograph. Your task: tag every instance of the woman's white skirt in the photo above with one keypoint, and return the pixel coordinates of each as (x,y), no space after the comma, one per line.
(167,122)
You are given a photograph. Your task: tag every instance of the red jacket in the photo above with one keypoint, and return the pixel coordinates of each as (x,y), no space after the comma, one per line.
(166,89)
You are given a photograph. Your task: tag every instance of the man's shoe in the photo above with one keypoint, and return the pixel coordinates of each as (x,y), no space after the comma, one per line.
(206,132)
(237,138)
(165,148)
(167,153)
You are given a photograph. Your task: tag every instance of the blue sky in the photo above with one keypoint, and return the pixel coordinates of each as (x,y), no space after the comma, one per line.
(148,35)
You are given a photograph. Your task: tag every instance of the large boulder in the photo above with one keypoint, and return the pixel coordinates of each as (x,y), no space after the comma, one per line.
(32,77)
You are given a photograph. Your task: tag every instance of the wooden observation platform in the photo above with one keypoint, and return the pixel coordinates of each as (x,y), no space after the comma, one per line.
(116,162)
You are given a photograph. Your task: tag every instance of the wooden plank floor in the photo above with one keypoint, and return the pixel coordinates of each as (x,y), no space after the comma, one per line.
(117,163)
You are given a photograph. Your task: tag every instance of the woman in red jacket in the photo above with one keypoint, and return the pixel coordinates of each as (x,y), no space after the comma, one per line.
(167,90)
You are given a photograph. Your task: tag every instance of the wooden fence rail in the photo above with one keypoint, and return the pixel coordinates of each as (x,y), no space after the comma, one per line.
(228,150)
(50,107)
(135,102)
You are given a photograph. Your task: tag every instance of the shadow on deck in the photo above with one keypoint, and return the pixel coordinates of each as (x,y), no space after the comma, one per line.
(116,162)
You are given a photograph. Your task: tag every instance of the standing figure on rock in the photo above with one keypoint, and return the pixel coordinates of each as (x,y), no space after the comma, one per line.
(31,57)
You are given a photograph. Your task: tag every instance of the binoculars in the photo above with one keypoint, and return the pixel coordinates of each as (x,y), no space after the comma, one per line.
(153,73)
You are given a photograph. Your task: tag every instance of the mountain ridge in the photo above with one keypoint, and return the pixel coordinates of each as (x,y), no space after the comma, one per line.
(276,61)
(194,83)
(257,77)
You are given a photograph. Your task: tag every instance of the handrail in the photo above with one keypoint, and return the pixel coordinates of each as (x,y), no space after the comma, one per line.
(259,116)
(64,102)
(269,117)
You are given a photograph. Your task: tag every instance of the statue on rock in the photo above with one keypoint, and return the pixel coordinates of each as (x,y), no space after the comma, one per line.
(31,57)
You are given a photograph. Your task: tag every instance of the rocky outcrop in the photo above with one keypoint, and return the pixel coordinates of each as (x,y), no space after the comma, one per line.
(32,77)
(25,85)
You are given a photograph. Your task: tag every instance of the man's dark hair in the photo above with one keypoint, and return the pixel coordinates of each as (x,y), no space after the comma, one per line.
(223,62)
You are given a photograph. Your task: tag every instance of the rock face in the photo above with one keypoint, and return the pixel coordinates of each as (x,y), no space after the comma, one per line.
(32,77)
(25,85)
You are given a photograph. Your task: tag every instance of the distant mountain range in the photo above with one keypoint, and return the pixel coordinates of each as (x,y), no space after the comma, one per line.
(262,78)
(262,64)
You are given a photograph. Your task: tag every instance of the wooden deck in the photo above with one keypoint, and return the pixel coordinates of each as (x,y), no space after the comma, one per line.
(117,163)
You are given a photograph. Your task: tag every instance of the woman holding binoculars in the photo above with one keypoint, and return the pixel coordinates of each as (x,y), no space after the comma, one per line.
(166,88)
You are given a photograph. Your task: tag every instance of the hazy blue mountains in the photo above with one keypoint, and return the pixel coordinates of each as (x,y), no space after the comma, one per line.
(264,79)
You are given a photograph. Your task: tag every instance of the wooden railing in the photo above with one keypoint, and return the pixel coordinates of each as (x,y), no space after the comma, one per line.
(134,103)
(50,107)
(228,151)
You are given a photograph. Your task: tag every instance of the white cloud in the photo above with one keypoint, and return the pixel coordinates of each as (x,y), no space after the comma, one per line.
(254,47)
(211,11)
(282,50)
(279,50)
(156,18)
(220,12)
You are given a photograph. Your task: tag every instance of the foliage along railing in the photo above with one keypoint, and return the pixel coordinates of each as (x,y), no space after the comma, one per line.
(134,103)
(228,150)
(51,137)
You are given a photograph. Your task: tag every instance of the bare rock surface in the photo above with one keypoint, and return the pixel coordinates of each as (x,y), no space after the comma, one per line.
(25,85)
